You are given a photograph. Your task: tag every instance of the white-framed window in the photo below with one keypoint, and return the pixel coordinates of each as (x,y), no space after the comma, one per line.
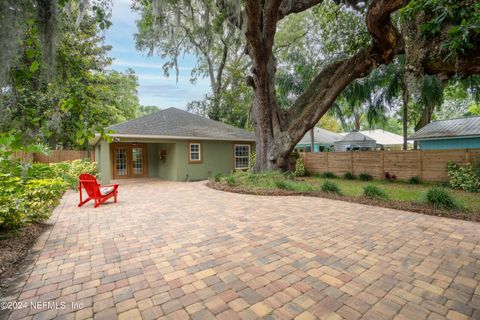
(195,152)
(242,156)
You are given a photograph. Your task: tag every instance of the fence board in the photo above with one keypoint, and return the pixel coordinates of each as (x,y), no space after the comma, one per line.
(429,165)
(55,156)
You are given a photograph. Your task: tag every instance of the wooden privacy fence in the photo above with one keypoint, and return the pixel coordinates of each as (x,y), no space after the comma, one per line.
(428,165)
(56,156)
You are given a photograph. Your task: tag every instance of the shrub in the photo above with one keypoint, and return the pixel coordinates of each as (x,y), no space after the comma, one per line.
(372,191)
(390,176)
(414,180)
(328,175)
(349,176)
(70,170)
(12,212)
(231,181)
(284,185)
(365,177)
(217,176)
(299,167)
(330,187)
(440,198)
(40,171)
(41,196)
(463,177)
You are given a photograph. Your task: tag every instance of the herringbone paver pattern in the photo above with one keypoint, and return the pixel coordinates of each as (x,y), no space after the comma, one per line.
(181,250)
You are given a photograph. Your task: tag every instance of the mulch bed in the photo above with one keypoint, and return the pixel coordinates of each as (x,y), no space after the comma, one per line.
(14,247)
(391,204)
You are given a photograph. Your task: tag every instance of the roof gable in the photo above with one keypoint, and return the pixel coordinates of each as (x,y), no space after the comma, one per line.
(320,136)
(174,122)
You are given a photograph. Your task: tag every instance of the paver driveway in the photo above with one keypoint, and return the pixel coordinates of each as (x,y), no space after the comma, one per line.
(183,250)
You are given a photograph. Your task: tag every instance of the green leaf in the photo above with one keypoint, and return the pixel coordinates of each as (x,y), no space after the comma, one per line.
(34,66)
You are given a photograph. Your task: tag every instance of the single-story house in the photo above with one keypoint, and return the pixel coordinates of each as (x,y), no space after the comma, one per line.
(323,140)
(449,134)
(385,140)
(354,141)
(172,144)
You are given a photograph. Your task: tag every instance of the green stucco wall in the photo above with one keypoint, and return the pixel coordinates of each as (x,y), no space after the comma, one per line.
(217,157)
(104,162)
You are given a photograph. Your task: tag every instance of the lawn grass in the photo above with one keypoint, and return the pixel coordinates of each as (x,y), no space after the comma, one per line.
(396,191)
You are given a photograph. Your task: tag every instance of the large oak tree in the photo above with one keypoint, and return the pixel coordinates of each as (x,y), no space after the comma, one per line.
(278,131)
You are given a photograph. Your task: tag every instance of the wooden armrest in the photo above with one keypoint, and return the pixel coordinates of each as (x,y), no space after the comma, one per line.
(115,185)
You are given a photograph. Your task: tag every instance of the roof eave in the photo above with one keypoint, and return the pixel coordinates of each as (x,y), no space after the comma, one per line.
(443,138)
(146,136)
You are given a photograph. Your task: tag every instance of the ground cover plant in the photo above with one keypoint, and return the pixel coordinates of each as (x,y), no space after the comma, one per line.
(412,194)
(28,194)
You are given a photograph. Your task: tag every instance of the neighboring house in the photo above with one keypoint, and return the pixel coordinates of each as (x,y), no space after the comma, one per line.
(385,140)
(172,144)
(354,141)
(449,134)
(323,140)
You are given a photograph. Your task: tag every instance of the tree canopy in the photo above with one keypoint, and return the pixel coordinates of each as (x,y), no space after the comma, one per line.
(60,90)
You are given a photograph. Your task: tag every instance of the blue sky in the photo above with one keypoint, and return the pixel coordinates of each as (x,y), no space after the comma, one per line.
(154,87)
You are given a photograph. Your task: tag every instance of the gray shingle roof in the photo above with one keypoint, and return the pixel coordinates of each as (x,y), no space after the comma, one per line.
(174,122)
(449,128)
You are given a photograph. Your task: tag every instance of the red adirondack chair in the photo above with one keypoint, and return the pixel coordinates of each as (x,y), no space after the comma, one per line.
(95,191)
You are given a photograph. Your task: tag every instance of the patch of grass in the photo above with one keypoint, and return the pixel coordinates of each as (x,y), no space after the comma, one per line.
(440,198)
(328,175)
(365,177)
(399,191)
(330,187)
(349,176)
(414,180)
(374,192)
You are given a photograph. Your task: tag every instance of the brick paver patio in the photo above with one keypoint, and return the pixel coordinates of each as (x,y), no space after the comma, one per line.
(181,250)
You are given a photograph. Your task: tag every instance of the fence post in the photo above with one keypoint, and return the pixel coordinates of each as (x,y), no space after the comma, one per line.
(468,156)
(328,168)
(351,162)
(420,165)
(382,174)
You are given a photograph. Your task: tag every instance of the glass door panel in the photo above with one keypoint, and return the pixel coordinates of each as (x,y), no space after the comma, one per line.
(121,164)
(137,161)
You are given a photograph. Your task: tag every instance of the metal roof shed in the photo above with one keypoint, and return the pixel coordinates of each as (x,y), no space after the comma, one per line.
(354,141)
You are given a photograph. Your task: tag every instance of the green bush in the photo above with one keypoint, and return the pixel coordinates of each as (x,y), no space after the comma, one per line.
(328,175)
(463,177)
(70,170)
(365,177)
(299,167)
(414,180)
(40,171)
(374,192)
(217,176)
(41,196)
(231,181)
(349,176)
(330,187)
(12,211)
(440,198)
(284,185)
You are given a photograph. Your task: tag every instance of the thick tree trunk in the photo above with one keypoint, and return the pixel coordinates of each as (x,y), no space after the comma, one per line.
(405,100)
(278,131)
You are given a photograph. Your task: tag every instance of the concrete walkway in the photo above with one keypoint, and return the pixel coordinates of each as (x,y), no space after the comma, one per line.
(181,250)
